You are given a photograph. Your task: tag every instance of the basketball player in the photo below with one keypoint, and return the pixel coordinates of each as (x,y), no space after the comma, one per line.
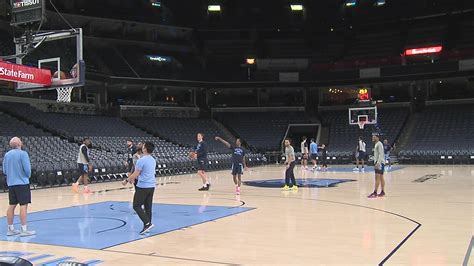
(304,153)
(17,168)
(238,162)
(201,156)
(137,155)
(379,161)
(324,154)
(85,166)
(145,173)
(387,149)
(313,149)
(360,155)
(130,152)
(290,165)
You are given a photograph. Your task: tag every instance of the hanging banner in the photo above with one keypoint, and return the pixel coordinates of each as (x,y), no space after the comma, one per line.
(467,64)
(370,73)
(289,77)
(282,64)
(21,73)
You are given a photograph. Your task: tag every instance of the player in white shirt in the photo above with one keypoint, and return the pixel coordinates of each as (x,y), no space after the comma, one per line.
(360,155)
(379,162)
(304,153)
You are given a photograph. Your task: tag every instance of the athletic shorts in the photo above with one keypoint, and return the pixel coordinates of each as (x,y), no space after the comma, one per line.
(237,169)
(314,156)
(201,165)
(83,168)
(361,155)
(381,170)
(20,194)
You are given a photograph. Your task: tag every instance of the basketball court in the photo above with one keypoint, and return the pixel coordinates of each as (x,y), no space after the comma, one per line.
(425,219)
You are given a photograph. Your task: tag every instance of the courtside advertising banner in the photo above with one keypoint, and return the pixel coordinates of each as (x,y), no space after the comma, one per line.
(20,73)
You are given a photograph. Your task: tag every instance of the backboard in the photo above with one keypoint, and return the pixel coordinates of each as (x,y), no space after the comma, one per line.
(60,51)
(365,115)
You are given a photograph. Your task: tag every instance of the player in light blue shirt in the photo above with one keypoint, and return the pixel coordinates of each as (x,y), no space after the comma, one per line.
(313,150)
(145,189)
(17,168)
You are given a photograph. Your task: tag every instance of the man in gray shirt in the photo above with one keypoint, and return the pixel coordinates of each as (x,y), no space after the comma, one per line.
(379,160)
(290,165)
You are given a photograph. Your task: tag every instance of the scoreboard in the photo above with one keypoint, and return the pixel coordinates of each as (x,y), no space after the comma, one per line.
(363,95)
(27,11)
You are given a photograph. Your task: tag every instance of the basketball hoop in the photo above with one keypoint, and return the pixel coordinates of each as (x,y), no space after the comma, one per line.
(64,94)
(361,124)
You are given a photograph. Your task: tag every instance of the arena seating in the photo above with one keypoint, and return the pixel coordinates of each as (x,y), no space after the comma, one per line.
(54,159)
(75,125)
(184,130)
(263,130)
(10,126)
(343,138)
(443,135)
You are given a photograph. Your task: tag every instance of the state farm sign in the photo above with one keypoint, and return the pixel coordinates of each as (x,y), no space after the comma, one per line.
(20,73)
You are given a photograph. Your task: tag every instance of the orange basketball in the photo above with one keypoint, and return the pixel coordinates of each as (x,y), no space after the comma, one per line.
(60,75)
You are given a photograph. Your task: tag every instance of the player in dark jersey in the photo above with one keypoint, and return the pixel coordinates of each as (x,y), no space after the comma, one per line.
(387,148)
(324,157)
(201,156)
(136,156)
(238,162)
(131,149)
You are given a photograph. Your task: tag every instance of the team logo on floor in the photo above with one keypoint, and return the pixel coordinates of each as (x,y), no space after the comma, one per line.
(308,182)
(426,178)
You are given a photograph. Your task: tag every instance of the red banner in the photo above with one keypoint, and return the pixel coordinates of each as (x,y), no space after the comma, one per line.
(424,50)
(21,73)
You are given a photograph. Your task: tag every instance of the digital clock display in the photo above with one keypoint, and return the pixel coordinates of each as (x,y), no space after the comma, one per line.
(364,94)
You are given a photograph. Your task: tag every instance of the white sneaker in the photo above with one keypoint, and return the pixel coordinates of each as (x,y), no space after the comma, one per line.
(13,232)
(27,233)
(363,170)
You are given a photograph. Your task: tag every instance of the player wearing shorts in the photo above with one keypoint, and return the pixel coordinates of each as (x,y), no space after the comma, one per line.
(304,153)
(290,165)
(360,155)
(379,162)
(131,149)
(138,153)
(387,149)
(201,156)
(17,168)
(238,162)
(85,166)
(313,149)
(145,189)
(324,156)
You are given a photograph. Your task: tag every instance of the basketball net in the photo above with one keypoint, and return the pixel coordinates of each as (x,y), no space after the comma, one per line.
(64,94)
(361,124)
